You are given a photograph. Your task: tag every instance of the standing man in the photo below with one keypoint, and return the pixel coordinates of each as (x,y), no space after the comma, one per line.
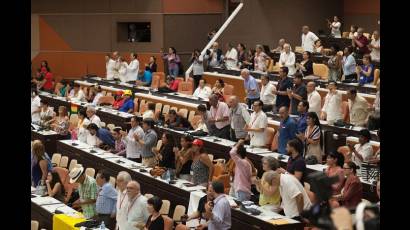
(231,56)
(218,211)
(287,129)
(133,68)
(133,147)
(358,108)
(106,200)
(87,191)
(243,172)
(92,116)
(148,142)
(314,98)
(308,39)
(251,87)
(268,96)
(298,93)
(123,178)
(257,124)
(109,66)
(219,117)
(331,110)
(360,43)
(239,117)
(282,98)
(117,64)
(136,212)
(35,106)
(301,125)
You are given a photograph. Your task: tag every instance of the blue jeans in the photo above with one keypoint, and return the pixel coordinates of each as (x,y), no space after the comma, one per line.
(243,196)
(174,72)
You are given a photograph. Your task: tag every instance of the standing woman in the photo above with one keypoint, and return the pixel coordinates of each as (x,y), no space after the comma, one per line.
(55,187)
(242,56)
(312,137)
(335,161)
(83,122)
(152,65)
(165,154)
(155,220)
(173,61)
(335,64)
(218,89)
(306,65)
(260,59)
(39,164)
(202,167)
(184,158)
(250,62)
(335,27)
(197,66)
(133,68)
(122,71)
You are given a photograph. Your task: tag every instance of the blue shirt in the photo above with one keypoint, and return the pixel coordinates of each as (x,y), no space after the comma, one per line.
(363,78)
(128,104)
(105,136)
(301,123)
(106,199)
(287,131)
(349,65)
(251,84)
(147,78)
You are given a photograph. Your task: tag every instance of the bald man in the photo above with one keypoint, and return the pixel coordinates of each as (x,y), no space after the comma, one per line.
(137,213)
(360,43)
(308,39)
(239,117)
(314,99)
(251,87)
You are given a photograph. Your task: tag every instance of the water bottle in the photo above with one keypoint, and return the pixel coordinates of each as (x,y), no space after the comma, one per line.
(102,226)
(168,176)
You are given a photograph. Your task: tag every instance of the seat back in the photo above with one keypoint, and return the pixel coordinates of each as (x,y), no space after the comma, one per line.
(321,70)
(90,172)
(111,127)
(376,76)
(185,87)
(106,100)
(34,224)
(148,195)
(345,111)
(225,179)
(112,181)
(275,142)
(165,207)
(55,159)
(345,34)
(183,112)
(158,107)
(64,162)
(155,81)
(191,115)
(298,49)
(270,133)
(136,104)
(73,163)
(195,121)
(165,109)
(178,212)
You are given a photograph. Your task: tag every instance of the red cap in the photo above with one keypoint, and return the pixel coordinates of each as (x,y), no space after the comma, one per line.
(119,93)
(198,142)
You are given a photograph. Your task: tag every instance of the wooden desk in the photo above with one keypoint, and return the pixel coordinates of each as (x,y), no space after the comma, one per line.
(162,189)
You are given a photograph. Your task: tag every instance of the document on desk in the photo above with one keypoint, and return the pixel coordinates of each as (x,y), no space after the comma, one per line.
(45,200)
(257,150)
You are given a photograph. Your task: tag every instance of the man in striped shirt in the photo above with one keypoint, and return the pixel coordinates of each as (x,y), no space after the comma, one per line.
(106,200)
(87,191)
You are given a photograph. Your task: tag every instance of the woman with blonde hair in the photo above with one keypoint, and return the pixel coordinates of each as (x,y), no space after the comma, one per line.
(39,164)
(60,123)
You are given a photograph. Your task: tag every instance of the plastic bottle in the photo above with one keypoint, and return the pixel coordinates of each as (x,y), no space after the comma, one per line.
(102,226)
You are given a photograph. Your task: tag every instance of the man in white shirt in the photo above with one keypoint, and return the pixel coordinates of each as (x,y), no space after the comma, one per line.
(35,106)
(109,66)
(133,68)
(363,151)
(257,125)
(133,147)
(308,39)
(358,108)
(294,196)
(231,56)
(335,27)
(92,116)
(123,178)
(287,58)
(332,110)
(375,46)
(117,64)
(136,209)
(267,94)
(314,98)
(202,91)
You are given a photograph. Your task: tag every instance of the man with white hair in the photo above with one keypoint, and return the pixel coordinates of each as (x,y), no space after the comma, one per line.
(213,55)
(116,58)
(314,98)
(251,87)
(123,178)
(239,117)
(287,58)
(279,49)
(136,212)
(92,116)
(308,39)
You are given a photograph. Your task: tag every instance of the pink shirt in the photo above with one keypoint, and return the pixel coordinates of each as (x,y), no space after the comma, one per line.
(220,112)
(243,173)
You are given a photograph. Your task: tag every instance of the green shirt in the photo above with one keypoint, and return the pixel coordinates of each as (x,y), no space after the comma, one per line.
(88,191)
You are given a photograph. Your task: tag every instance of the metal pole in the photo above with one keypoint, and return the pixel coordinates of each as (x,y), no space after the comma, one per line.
(216,36)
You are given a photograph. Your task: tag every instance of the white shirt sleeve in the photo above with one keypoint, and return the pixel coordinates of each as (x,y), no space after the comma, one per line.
(291,60)
(196,93)
(313,36)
